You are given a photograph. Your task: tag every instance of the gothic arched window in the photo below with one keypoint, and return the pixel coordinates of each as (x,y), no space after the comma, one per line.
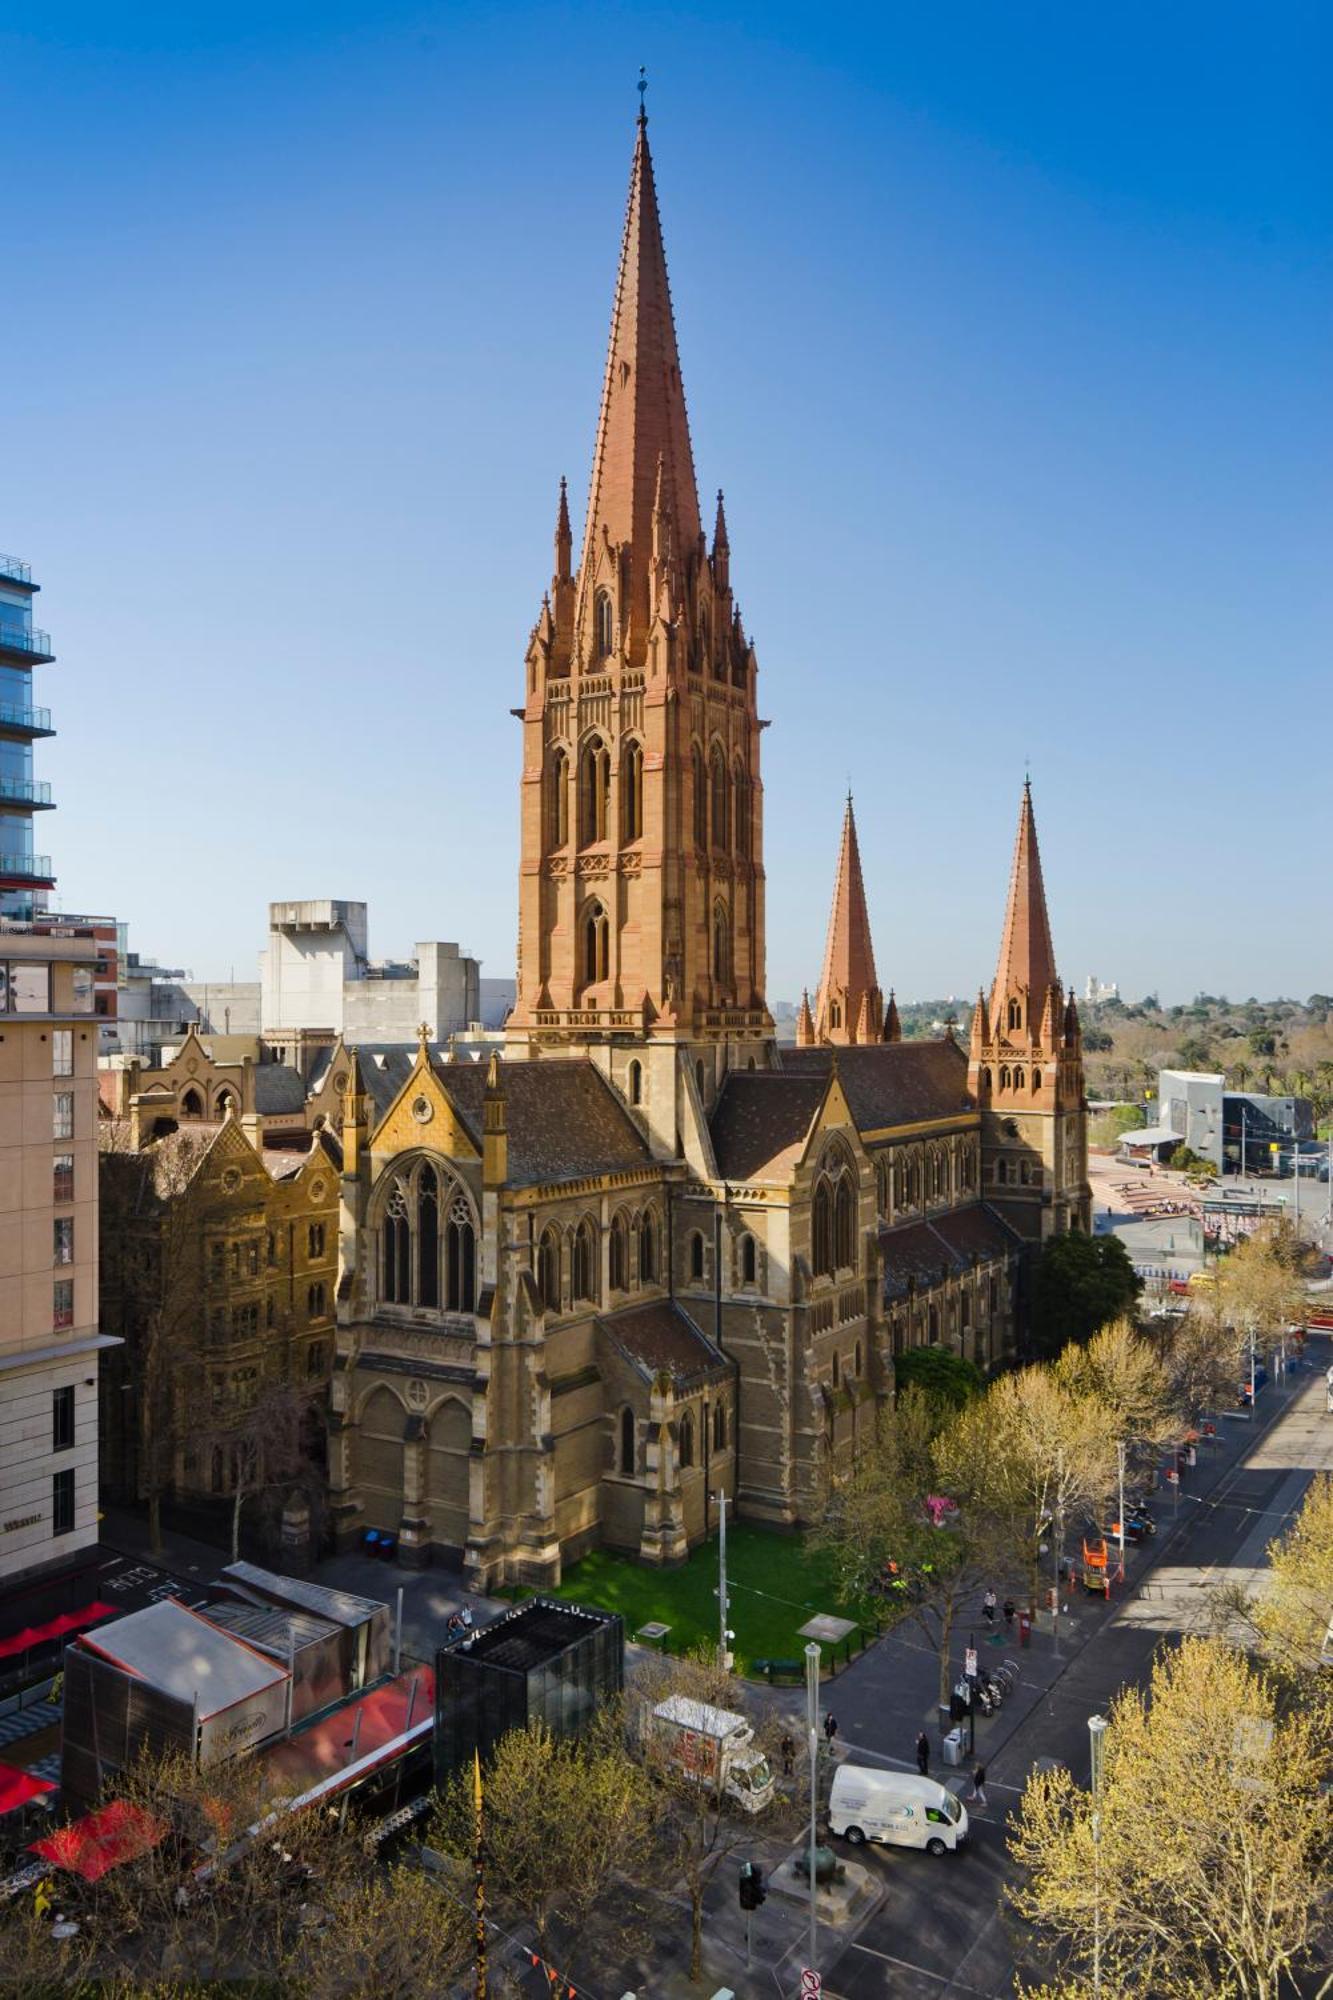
(548,1270)
(396,1272)
(740,809)
(460,1259)
(594,790)
(686,1441)
(428,1237)
(718,802)
(585,1261)
(719,1426)
(596,945)
(844,1225)
(749,1260)
(604,625)
(557,802)
(636,1082)
(721,944)
(835,1013)
(618,1259)
(1015,1015)
(627,1441)
(192,1104)
(697,1256)
(705,642)
(631,791)
(1018,1078)
(700,786)
(822,1231)
(648,1247)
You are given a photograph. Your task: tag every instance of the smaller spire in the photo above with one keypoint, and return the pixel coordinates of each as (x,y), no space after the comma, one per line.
(720,526)
(423,1042)
(642,87)
(848,978)
(893,1027)
(805,1023)
(1073,1025)
(980,1023)
(721,548)
(564,540)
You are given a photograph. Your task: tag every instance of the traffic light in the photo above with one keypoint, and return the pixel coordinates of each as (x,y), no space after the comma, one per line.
(753,1889)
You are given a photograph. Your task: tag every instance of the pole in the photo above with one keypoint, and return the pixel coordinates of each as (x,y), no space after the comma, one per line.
(812,1720)
(479,1871)
(1096,1734)
(722,1579)
(1120,1469)
(1059,1543)
(398,1634)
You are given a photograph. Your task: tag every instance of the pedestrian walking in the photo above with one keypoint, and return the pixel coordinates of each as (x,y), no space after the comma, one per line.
(830,1727)
(788,1756)
(988,1607)
(977,1795)
(923,1754)
(1008,1614)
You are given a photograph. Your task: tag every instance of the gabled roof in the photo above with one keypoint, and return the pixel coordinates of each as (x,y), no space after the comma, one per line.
(944,1247)
(661,1338)
(892,1083)
(183,1653)
(278,1088)
(761,1120)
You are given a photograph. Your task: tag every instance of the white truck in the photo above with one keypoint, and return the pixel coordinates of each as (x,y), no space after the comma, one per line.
(714,1747)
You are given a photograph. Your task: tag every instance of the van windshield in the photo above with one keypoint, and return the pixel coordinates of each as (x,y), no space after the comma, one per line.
(952,1807)
(754,1773)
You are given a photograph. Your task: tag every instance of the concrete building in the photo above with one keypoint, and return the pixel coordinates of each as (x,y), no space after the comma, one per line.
(1240,1131)
(49,1338)
(1189,1113)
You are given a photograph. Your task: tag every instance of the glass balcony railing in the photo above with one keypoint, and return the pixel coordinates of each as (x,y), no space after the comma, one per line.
(24,639)
(38,720)
(26,867)
(25,791)
(20,572)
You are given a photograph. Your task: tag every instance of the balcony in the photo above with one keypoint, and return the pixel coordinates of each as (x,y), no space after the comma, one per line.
(14,570)
(18,868)
(25,721)
(30,644)
(34,792)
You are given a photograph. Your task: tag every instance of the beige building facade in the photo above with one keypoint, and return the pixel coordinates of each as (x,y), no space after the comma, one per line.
(50,1342)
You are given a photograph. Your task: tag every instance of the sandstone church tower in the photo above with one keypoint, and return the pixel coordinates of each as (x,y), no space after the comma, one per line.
(1025,1066)
(641,922)
(849,1007)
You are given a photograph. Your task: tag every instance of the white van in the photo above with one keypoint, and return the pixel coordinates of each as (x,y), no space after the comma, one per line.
(895,1807)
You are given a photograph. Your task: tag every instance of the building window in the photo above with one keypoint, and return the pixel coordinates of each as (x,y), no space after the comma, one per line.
(740,810)
(594,790)
(217,1262)
(62,1052)
(821,1249)
(271,1248)
(631,791)
(718,813)
(557,805)
(749,1260)
(62,1419)
(315,1302)
(244,1322)
(1015,1016)
(24,988)
(648,1247)
(596,946)
(396,1280)
(604,631)
(428,1238)
(62,1177)
(62,1502)
(697,1256)
(700,797)
(63,1115)
(636,1082)
(62,1240)
(721,944)
(686,1441)
(62,1305)
(618,1260)
(585,1262)
(627,1453)
(315,1239)
(192,1104)
(836,1368)
(314,1359)
(548,1270)
(719,1426)
(844,1226)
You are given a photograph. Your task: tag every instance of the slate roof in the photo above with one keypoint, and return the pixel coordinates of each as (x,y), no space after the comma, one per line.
(564,1121)
(944,1247)
(278,1087)
(761,1119)
(661,1338)
(892,1083)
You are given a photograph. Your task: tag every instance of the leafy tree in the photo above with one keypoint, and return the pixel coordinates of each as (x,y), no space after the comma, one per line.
(1122,1374)
(946,1378)
(1080,1283)
(1208,1873)
(1259,1288)
(1195,1052)
(1202,1358)
(1294,1609)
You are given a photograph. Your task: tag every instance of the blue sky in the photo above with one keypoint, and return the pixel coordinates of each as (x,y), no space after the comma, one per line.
(1005,328)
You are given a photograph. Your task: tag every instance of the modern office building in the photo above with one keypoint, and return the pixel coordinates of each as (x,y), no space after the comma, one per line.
(25,875)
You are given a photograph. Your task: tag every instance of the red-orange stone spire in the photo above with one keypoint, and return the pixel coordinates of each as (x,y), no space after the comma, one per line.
(642,421)
(1026,973)
(849,1006)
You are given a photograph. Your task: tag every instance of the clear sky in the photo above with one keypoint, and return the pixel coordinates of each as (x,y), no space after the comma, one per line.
(1005,327)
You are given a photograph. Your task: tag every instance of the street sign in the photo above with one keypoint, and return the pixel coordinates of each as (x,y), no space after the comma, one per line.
(811,1984)
(970,1662)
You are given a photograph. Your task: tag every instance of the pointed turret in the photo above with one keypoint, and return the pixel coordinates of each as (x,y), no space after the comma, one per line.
(805,1023)
(721,547)
(980,1023)
(1025,973)
(495,1127)
(848,981)
(642,420)
(564,539)
(893,1027)
(1073,1025)
(356,1114)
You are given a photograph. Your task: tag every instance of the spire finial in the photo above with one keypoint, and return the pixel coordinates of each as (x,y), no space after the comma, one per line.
(642,87)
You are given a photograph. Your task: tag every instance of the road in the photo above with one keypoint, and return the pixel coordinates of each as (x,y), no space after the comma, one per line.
(941,1930)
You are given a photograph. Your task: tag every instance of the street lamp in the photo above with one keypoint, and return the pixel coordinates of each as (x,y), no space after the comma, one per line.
(1096,1736)
(812,1658)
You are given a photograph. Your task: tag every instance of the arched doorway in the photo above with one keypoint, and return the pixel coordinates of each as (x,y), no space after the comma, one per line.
(447,1478)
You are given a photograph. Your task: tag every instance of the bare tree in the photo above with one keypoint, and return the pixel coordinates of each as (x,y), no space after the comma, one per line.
(265,1439)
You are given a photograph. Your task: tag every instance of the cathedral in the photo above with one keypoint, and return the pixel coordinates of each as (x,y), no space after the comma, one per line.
(650,1256)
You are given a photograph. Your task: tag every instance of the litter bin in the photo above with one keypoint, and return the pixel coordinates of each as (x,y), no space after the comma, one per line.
(953,1747)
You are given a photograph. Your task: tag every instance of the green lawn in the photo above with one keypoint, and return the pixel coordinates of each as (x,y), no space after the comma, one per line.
(775,1582)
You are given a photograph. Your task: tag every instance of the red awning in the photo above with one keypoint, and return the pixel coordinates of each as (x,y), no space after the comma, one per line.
(115,1833)
(17,1787)
(54,1628)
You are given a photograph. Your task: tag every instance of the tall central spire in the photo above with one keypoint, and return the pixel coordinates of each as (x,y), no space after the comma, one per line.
(642,423)
(849,1007)
(1027,960)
